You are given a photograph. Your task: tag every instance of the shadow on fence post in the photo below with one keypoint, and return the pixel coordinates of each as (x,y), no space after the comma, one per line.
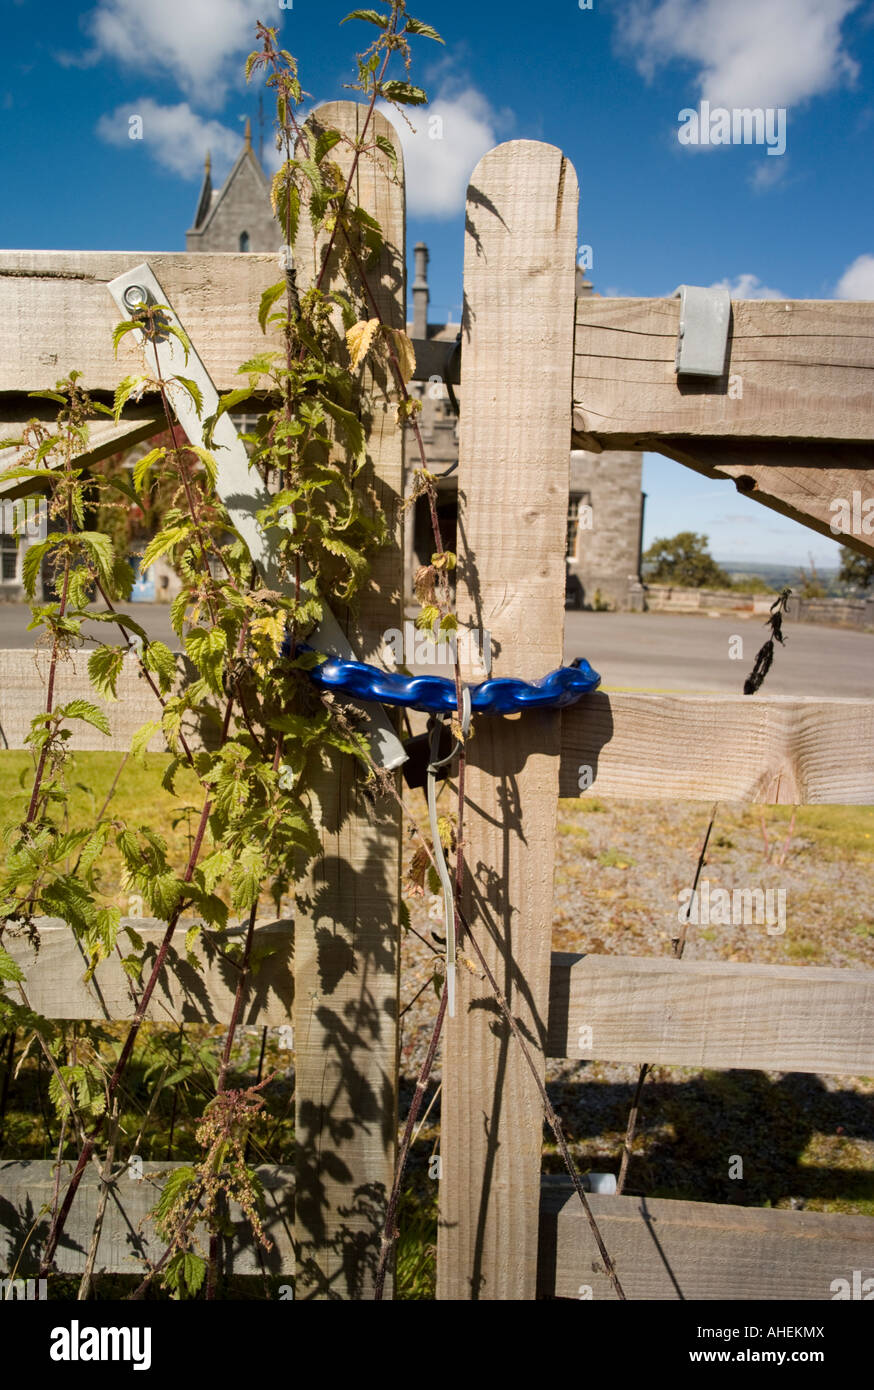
(515,432)
(347,920)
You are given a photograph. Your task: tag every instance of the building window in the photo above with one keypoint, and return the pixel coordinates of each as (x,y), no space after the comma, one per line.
(575,502)
(8,559)
(244,241)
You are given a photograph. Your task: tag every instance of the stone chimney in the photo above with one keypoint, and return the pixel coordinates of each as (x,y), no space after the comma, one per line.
(420,292)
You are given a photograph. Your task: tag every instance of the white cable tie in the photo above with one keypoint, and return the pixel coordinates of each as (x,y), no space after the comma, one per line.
(465,711)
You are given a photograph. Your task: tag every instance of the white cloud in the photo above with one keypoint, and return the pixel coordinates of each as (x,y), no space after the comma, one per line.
(768,173)
(857,281)
(747,52)
(199,43)
(451,135)
(748,286)
(175,136)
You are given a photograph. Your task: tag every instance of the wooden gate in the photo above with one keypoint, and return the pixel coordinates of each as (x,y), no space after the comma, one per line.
(540,372)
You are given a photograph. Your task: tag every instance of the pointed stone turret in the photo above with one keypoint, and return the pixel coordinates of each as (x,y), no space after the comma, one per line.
(205,200)
(236,217)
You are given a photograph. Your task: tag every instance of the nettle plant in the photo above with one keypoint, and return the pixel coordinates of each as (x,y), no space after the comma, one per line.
(245,718)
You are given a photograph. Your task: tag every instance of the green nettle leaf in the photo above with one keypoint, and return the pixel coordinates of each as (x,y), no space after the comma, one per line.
(208,461)
(415,26)
(31,565)
(158,657)
(8,968)
(231,399)
(178,609)
(163,892)
(102,552)
(123,392)
(128,326)
(176,1184)
(314,174)
(351,427)
(143,737)
(143,466)
(403,93)
(383,143)
(326,141)
(246,876)
(370,16)
(268,299)
(307,661)
(88,713)
(285,200)
(104,668)
(164,541)
(193,390)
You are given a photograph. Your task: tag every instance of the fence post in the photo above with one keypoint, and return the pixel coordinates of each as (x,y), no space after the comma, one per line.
(347,918)
(516,401)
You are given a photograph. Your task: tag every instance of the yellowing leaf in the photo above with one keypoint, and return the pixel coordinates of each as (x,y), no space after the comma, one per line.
(405,353)
(267,636)
(359,339)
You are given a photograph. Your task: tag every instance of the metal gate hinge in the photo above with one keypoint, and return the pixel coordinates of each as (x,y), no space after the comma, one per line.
(702,340)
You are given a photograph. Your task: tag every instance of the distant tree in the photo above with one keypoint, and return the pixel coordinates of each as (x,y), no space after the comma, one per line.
(811,584)
(685,560)
(752,584)
(857,570)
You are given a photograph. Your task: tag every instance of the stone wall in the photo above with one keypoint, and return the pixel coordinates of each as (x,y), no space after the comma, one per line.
(842,612)
(607,553)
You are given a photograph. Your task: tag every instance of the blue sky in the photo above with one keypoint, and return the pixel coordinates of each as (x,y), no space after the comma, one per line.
(606,84)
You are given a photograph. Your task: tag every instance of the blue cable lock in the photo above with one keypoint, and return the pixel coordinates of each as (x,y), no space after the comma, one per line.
(436,694)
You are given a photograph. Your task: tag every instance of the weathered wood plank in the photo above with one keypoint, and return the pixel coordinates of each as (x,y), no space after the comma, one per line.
(690,1013)
(128,1238)
(664,1249)
(513,487)
(697,1250)
(23,675)
(56,986)
(805,369)
(347,955)
(712,1014)
(55,313)
(771,750)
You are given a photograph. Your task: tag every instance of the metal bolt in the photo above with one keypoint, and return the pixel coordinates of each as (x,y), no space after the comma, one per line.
(135,295)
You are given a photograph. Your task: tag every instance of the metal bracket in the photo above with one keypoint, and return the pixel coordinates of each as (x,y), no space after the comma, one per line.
(238,485)
(702,341)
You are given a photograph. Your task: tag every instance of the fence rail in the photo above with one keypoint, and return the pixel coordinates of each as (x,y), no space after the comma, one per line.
(665,1249)
(609,1008)
(771,750)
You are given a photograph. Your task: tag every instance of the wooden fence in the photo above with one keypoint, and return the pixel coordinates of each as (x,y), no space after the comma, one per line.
(540,372)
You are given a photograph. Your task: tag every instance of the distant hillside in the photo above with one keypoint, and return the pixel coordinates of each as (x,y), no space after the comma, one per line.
(779,576)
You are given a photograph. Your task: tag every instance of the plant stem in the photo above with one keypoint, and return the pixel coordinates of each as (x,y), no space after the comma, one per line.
(57,1226)
(389,1234)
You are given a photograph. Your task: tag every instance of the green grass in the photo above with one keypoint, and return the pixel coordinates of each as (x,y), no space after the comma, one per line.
(138,799)
(836,830)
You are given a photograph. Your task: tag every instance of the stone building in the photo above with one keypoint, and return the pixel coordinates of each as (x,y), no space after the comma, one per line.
(237,216)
